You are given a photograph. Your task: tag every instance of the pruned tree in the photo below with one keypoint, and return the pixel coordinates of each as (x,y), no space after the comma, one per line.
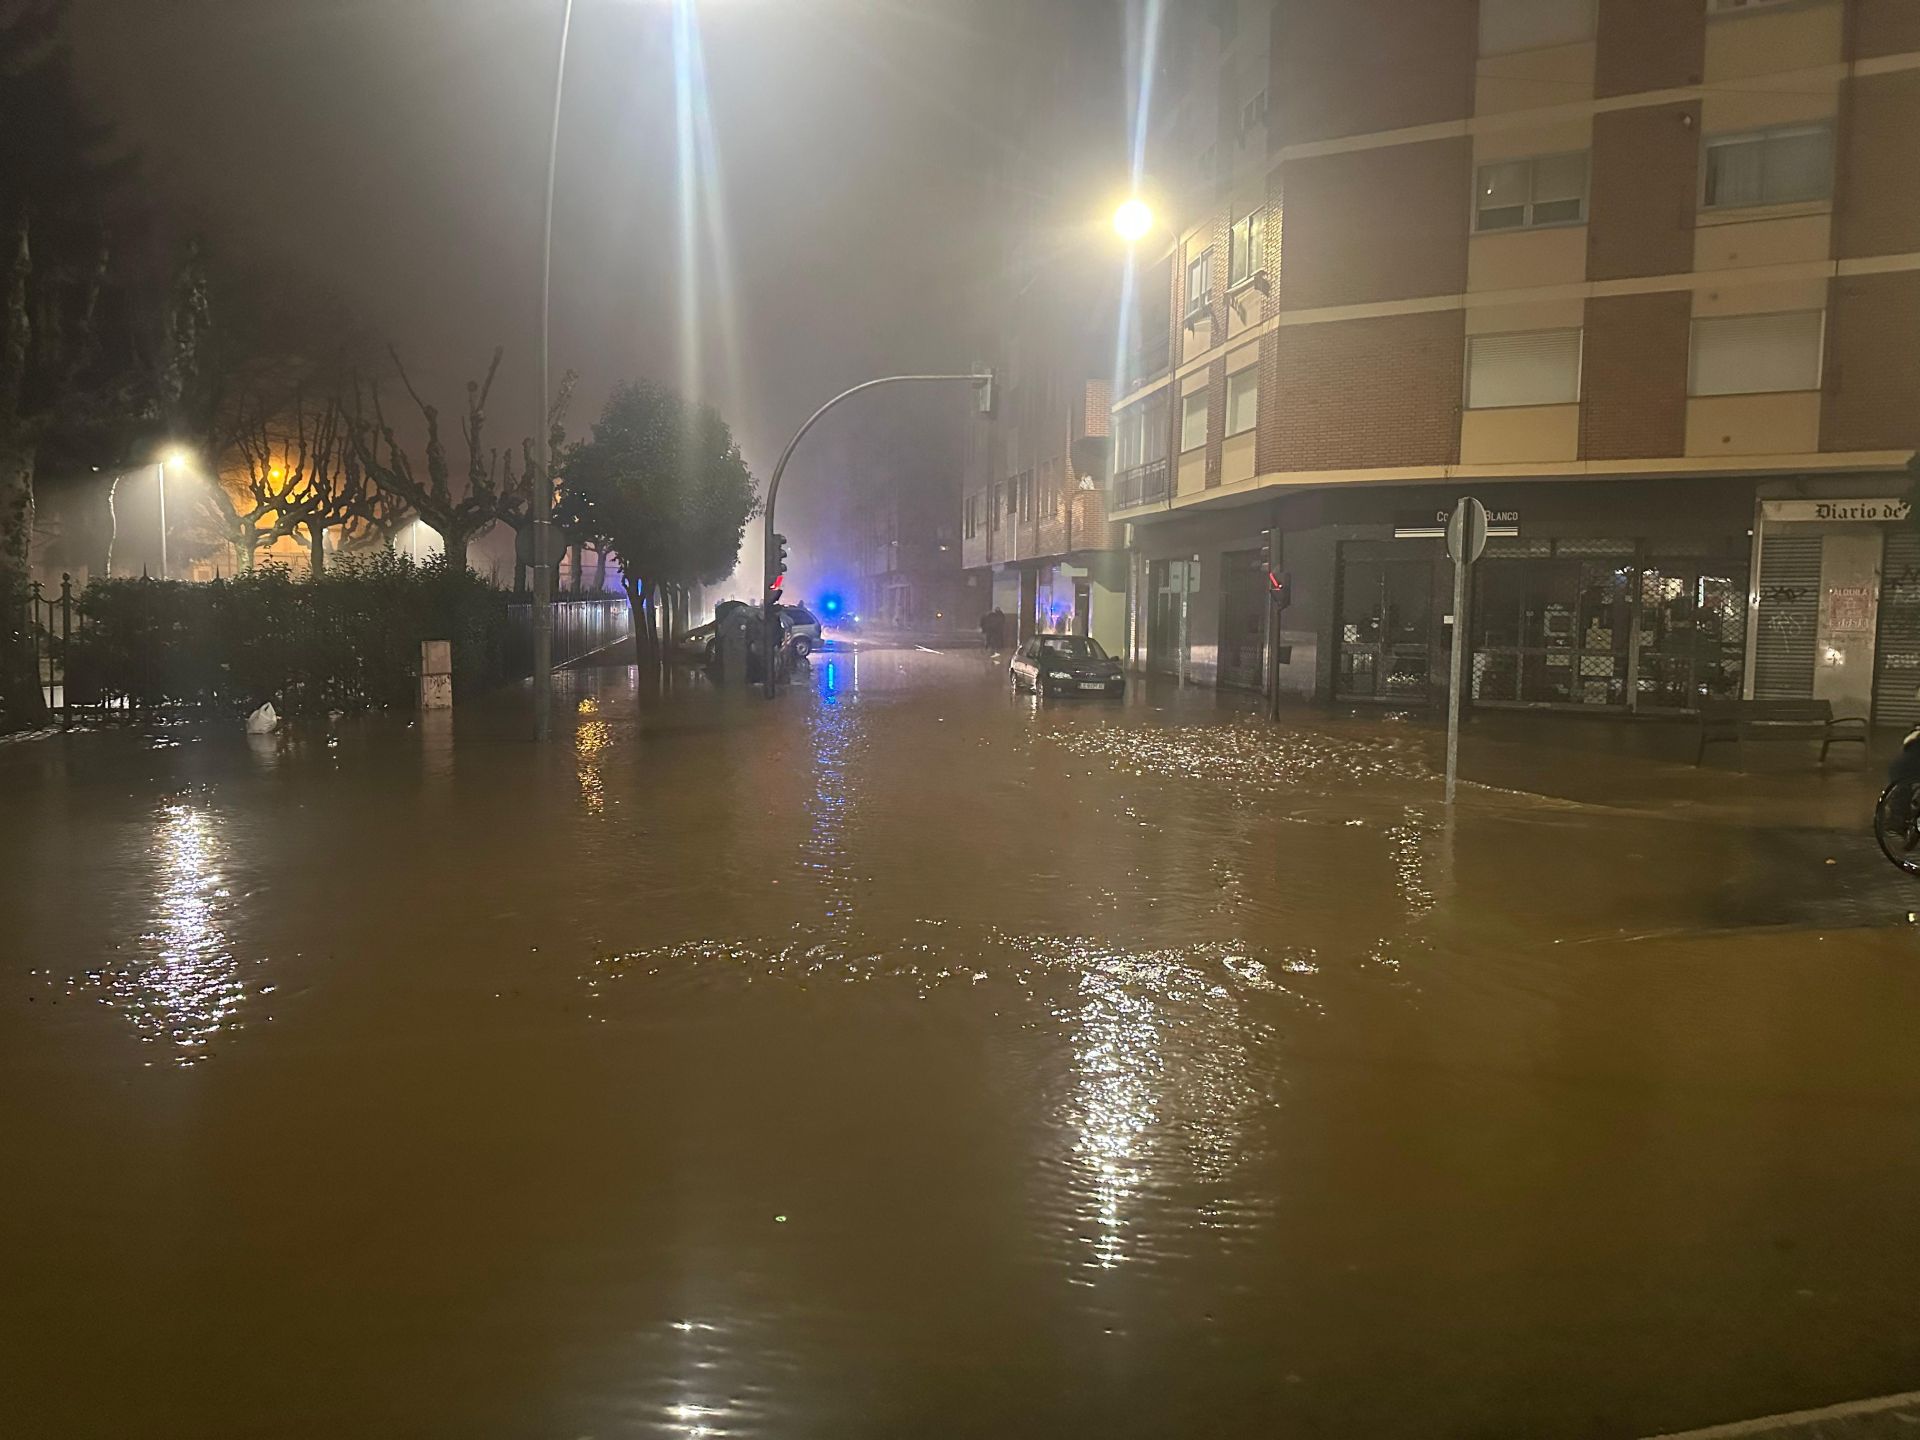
(517,495)
(660,485)
(297,468)
(458,514)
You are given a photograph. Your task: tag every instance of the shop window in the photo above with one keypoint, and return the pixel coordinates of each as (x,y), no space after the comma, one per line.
(1781,166)
(1510,25)
(1243,400)
(1530,194)
(1756,354)
(1193,422)
(1534,367)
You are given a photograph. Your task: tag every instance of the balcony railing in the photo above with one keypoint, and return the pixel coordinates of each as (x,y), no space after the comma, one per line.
(1142,485)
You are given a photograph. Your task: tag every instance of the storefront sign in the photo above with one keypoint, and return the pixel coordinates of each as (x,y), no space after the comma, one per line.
(1432,524)
(1850,609)
(1833,511)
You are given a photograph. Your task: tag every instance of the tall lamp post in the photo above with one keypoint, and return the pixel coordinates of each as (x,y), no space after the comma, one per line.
(542,498)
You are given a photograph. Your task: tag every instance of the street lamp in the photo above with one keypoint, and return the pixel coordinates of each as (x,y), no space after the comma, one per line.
(542,499)
(176,457)
(1133,220)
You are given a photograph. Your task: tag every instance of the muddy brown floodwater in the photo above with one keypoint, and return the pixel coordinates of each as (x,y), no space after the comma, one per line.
(904,1059)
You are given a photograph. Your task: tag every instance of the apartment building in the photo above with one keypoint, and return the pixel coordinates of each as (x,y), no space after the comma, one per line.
(1642,275)
(1033,522)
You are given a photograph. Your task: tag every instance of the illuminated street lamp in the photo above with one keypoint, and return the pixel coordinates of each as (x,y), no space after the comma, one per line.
(1133,221)
(175,457)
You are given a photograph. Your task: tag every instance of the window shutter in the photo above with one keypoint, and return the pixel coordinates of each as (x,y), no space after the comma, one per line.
(1539,367)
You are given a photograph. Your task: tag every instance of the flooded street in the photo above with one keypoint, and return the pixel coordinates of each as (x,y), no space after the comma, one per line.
(905,1058)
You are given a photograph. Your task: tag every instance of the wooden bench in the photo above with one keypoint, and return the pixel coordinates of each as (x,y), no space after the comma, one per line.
(1744,720)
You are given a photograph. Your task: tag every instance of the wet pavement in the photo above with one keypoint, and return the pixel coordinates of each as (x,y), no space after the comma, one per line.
(907,1058)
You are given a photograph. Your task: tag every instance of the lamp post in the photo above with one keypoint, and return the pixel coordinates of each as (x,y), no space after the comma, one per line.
(770,596)
(162,467)
(542,490)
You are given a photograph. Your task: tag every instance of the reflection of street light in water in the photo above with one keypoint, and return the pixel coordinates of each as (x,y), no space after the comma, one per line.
(191,984)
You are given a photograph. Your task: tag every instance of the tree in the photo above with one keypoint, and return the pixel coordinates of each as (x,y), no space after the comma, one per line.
(662,487)
(517,496)
(299,468)
(457,515)
(67,350)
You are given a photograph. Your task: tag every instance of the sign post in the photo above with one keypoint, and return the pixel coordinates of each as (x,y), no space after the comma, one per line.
(1466,538)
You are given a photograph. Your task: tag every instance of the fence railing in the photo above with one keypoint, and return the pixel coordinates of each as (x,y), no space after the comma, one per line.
(51,620)
(1142,485)
(580,627)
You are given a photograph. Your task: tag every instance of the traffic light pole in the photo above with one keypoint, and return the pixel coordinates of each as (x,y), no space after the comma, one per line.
(770,597)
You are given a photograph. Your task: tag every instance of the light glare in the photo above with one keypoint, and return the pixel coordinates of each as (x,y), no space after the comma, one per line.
(1133,220)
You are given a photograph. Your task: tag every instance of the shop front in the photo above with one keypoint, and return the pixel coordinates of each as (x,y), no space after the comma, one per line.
(1626,597)
(1837,603)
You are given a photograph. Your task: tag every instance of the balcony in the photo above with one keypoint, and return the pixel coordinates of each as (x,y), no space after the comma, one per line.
(1142,485)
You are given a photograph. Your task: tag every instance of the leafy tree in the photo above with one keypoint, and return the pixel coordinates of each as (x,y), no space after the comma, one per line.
(661,486)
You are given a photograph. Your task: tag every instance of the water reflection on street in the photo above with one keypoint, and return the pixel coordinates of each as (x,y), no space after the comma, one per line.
(910,1058)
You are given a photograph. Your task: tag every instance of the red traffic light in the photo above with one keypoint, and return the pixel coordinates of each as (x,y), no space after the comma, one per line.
(778,581)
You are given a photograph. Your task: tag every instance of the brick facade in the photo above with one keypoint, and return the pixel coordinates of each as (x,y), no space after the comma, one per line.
(1877,210)
(1872,391)
(1382,224)
(1649,45)
(1644,190)
(1362,393)
(1634,376)
(1358,66)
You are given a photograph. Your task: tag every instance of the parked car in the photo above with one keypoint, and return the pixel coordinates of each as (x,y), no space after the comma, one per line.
(801,628)
(1066,665)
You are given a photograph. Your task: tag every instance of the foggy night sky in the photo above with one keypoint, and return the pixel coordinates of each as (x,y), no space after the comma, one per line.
(396,150)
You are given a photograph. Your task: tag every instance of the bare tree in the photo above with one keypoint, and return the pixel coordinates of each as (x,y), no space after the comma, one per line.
(517,498)
(460,514)
(297,468)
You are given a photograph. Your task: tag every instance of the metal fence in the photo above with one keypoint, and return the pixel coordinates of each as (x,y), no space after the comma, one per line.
(580,628)
(50,622)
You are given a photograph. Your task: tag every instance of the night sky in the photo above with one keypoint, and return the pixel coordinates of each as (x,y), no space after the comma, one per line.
(396,148)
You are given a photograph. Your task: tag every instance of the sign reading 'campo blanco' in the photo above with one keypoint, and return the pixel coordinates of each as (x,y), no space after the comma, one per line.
(1836,511)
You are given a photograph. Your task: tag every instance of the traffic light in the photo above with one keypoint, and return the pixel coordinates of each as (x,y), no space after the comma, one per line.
(983,393)
(777,563)
(1279,588)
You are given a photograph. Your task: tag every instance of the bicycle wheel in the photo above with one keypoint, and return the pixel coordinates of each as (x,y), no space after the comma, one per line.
(1897,842)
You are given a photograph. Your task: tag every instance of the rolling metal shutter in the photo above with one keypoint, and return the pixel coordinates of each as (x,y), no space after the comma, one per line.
(1789,615)
(1896,666)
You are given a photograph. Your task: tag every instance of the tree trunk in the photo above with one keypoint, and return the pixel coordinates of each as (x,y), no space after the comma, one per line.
(519,576)
(456,543)
(600,570)
(316,552)
(637,619)
(573,564)
(22,704)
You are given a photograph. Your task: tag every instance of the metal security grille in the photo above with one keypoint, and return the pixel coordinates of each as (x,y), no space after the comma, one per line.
(1789,616)
(1896,670)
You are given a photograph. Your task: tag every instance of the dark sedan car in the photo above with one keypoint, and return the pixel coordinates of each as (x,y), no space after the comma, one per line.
(1066,665)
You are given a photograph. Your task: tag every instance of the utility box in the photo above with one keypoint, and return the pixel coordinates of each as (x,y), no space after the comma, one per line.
(436,675)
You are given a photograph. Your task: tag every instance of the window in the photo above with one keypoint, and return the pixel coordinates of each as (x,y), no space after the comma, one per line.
(1200,283)
(1193,422)
(993,511)
(1243,400)
(1507,25)
(1253,114)
(1770,167)
(1023,487)
(1535,367)
(1523,194)
(1244,246)
(1754,354)
(973,516)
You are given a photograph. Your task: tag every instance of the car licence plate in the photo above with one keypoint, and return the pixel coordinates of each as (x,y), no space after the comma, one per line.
(1093,684)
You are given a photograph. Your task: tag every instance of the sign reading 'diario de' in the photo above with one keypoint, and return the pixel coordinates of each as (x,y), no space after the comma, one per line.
(1840,511)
